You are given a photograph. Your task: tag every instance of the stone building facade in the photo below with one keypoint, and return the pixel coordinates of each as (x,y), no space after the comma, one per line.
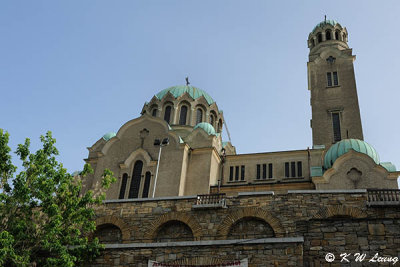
(185,197)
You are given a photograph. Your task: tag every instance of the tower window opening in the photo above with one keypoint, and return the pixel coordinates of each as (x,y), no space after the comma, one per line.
(319,37)
(335,78)
(154,112)
(212,120)
(312,42)
(337,35)
(219,126)
(167,114)
(337,136)
(328,35)
(344,37)
(199,116)
(183,115)
(329,78)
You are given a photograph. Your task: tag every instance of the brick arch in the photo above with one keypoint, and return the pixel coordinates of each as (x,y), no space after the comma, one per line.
(338,210)
(125,229)
(237,215)
(189,220)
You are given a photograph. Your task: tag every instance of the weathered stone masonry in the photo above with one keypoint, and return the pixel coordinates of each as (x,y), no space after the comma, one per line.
(306,225)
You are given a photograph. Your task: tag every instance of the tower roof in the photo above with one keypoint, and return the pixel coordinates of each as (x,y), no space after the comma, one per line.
(325,22)
(179,90)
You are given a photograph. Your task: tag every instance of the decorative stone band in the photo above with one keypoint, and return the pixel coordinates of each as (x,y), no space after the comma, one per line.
(299,239)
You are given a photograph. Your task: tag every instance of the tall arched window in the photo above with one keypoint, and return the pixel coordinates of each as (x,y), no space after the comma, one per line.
(344,37)
(182,116)
(154,112)
(136,177)
(312,42)
(146,186)
(199,116)
(319,37)
(123,186)
(212,120)
(167,114)
(337,35)
(328,35)
(219,126)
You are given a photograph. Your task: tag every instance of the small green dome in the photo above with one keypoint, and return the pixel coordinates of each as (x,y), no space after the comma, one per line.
(208,128)
(179,90)
(325,22)
(109,135)
(342,147)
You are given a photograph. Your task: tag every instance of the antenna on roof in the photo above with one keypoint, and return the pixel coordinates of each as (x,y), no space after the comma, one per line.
(187,80)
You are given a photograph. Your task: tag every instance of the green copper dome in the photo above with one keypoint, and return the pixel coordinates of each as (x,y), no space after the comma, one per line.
(325,22)
(109,135)
(179,90)
(208,128)
(342,147)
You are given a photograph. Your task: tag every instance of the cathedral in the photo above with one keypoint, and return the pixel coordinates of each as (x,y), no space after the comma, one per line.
(185,197)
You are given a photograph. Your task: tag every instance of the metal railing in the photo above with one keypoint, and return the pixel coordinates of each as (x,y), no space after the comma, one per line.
(377,197)
(211,199)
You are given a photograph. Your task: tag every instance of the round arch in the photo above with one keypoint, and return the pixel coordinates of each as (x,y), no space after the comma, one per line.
(339,211)
(235,216)
(189,220)
(125,229)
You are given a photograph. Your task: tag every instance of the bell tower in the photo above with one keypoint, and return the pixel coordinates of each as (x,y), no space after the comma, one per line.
(331,81)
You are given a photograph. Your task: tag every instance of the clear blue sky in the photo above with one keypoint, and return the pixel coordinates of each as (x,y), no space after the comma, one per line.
(84,68)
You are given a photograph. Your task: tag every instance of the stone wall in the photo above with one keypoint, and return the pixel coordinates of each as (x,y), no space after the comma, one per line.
(314,222)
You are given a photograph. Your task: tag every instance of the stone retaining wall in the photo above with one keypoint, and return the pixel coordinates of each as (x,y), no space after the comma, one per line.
(330,221)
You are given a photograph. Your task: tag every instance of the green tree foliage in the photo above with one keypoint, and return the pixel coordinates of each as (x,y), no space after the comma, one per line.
(45,219)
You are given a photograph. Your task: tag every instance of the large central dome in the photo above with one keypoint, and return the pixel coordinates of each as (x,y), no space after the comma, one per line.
(179,90)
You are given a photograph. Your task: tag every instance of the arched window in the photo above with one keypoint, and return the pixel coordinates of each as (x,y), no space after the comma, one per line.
(123,186)
(136,177)
(328,35)
(199,116)
(146,186)
(167,114)
(212,120)
(219,126)
(319,37)
(312,42)
(183,115)
(337,35)
(344,37)
(154,112)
